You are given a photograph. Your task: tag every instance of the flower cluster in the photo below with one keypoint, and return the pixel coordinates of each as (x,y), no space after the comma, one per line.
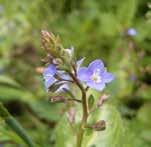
(52,76)
(63,71)
(94,76)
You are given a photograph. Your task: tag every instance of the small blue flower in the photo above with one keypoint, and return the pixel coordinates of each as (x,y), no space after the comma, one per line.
(49,78)
(48,74)
(95,75)
(131,32)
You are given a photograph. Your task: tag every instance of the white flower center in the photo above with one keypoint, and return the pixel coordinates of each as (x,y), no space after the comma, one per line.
(96,76)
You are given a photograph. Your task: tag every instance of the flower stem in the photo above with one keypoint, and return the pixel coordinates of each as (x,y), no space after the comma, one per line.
(85,112)
(84,120)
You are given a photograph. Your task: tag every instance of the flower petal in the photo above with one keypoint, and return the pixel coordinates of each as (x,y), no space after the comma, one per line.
(63,75)
(50,70)
(79,63)
(107,77)
(49,82)
(62,88)
(84,74)
(131,32)
(96,64)
(96,86)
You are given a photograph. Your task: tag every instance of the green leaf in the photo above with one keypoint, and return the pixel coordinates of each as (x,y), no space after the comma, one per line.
(15,125)
(90,101)
(9,93)
(8,135)
(144,115)
(64,135)
(144,92)
(10,90)
(126,6)
(5,80)
(139,129)
(47,110)
(113,136)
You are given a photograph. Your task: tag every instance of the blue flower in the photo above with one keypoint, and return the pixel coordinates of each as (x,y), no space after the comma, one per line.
(95,75)
(48,74)
(131,32)
(49,78)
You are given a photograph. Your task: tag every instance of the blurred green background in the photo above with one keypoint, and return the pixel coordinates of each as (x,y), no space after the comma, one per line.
(96,29)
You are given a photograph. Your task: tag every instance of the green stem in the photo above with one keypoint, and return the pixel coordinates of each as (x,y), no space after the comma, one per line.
(85,112)
(15,126)
(84,120)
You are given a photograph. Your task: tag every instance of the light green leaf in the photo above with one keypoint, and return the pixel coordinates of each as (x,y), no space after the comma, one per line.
(91,101)
(47,110)
(8,135)
(9,93)
(8,81)
(113,136)
(10,90)
(144,92)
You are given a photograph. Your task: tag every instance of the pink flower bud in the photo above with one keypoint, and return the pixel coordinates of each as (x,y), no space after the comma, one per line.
(57,99)
(102,99)
(71,115)
(99,126)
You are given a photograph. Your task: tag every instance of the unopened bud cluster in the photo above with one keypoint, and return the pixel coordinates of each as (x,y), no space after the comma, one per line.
(57,54)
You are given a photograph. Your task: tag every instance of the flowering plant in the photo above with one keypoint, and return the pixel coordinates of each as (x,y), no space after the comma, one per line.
(63,72)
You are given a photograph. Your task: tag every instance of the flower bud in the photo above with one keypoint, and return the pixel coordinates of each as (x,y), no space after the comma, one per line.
(57,61)
(57,99)
(51,44)
(101,100)
(99,126)
(39,70)
(69,53)
(71,115)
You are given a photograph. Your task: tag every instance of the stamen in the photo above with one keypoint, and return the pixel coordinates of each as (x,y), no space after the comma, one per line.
(96,76)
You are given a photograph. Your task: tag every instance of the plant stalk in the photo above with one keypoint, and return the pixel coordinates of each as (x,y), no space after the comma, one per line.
(83,121)
(85,112)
